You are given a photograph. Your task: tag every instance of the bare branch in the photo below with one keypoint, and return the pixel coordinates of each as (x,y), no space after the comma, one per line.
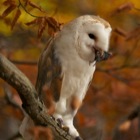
(20,4)
(23,62)
(32,105)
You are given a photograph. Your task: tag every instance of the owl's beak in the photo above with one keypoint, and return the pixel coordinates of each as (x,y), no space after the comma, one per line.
(101,55)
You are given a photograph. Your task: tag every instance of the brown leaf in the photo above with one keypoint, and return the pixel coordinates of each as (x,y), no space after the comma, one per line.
(32,22)
(120,32)
(17,15)
(133,34)
(125,6)
(53,23)
(34,5)
(42,26)
(51,31)
(9,2)
(53,26)
(7,21)
(7,11)
(26,2)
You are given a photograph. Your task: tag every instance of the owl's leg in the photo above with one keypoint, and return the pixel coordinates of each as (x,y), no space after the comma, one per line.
(68,121)
(73,105)
(60,109)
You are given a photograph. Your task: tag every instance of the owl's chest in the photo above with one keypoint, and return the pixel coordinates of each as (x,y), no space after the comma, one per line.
(76,78)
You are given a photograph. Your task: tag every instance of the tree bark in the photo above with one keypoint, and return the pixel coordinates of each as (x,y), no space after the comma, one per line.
(31,103)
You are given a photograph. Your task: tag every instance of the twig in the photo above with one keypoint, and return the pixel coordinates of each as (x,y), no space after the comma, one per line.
(23,62)
(20,4)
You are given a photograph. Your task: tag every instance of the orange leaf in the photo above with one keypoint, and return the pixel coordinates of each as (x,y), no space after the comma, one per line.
(133,34)
(32,22)
(7,21)
(120,32)
(9,2)
(125,6)
(51,31)
(42,26)
(26,2)
(8,10)
(53,25)
(17,15)
(35,6)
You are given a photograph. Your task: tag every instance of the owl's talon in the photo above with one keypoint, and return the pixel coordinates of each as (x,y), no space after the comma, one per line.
(60,122)
(65,128)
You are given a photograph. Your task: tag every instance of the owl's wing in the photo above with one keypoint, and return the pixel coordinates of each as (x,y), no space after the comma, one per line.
(49,71)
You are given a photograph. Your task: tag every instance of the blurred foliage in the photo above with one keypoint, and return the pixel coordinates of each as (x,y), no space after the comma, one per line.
(115,89)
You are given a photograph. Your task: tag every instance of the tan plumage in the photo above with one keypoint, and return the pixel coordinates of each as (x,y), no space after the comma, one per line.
(49,71)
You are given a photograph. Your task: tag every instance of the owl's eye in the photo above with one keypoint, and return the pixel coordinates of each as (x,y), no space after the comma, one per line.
(92,36)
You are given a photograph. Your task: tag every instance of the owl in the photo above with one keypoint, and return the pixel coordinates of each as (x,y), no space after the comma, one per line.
(66,66)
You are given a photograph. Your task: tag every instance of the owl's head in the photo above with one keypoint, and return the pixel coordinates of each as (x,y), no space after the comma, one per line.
(81,36)
(88,33)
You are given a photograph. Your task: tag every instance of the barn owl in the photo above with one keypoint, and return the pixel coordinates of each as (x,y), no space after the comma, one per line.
(67,65)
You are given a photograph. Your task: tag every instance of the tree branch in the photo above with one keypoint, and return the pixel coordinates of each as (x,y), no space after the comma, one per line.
(23,62)
(32,105)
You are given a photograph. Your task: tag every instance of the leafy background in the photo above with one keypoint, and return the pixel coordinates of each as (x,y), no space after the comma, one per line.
(115,89)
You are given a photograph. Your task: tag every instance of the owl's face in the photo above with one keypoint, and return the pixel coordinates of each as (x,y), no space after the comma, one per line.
(81,36)
(92,32)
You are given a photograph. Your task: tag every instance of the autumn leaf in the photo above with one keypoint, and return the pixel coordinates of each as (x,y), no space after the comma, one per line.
(32,22)
(51,31)
(53,26)
(42,26)
(35,6)
(120,31)
(133,34)
(7,21)
(17,15)
(8,10)
(26,2)
(53,23)
(9,2)
(125,6)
